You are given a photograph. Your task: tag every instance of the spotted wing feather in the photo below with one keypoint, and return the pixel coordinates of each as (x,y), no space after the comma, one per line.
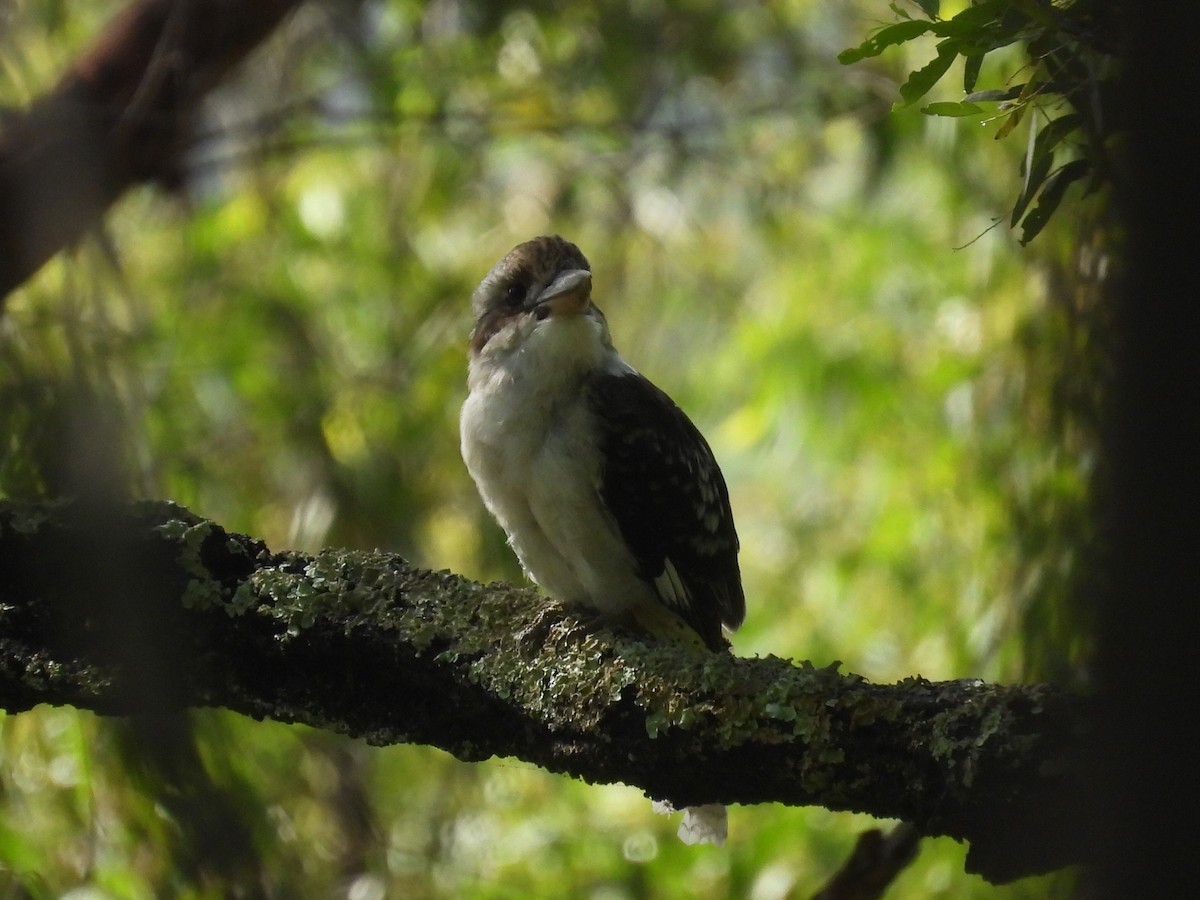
(666,493)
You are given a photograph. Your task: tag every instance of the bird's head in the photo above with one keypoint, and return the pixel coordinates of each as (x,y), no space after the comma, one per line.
(538,283)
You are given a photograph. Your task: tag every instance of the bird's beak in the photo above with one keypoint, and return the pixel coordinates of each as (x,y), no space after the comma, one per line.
(570,294)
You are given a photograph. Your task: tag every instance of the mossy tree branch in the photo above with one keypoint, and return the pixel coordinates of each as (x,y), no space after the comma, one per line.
(150,608)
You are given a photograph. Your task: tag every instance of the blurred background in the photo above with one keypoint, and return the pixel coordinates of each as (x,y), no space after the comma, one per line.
(897,392)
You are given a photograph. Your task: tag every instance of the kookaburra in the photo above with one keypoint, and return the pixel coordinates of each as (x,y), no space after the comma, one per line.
(610,496)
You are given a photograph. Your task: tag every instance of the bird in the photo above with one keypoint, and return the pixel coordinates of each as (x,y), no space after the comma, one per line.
(610,496)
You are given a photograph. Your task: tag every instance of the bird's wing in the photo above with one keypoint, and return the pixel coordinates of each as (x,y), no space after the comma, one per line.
(662,486)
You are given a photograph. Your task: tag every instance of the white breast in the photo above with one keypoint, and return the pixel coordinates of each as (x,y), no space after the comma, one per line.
(527,440)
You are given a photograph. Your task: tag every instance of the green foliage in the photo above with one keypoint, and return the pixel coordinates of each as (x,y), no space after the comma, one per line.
(283,351)
(1064,99)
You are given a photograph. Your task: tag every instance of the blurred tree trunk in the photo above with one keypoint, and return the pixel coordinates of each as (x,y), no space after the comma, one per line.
(1143,819)
(120,116)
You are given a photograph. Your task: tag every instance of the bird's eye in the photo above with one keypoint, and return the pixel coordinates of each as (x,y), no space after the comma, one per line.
(514,294)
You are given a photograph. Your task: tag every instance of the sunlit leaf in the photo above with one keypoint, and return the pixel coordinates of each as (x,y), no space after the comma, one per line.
(921,81)
(884,38)
(971,21)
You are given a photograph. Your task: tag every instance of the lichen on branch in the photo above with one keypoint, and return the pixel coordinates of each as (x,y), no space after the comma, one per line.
(149,607)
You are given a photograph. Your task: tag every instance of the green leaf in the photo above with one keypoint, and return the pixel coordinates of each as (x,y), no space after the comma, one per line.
(994,95)
(930,7)
(1035,175)
(1041,156)
(920,81)
(952,109)
(1051,196)
(972,21)
(884,38)
(971,72)
(1014,119)
(1053,133)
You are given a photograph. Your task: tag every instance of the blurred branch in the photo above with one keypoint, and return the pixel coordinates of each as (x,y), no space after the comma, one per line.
(120,116)
(876,861)
(366,645)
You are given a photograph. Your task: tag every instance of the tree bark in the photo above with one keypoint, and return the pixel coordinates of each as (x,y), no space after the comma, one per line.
(150,608)
(1143,821)
(121,115)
